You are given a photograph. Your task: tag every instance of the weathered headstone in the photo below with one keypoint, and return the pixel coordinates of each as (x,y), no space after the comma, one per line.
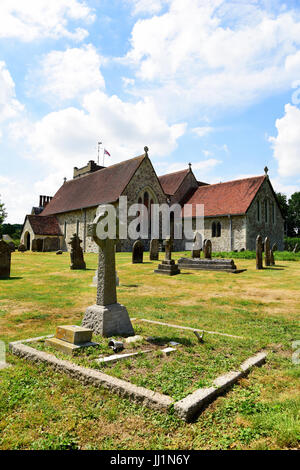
(51,244)
(259,252)
(296,248)
(37,244)
(22,248)
(272,259)
(267,251)
(197,245)
(106,317)
(154,249)
(168,265)
(5,259)
(137,252)
(274,247)
(12,247)
(77,260)
(207,249)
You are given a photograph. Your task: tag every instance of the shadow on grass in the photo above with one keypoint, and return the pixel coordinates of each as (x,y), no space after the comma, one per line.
(12,278)
(129,285)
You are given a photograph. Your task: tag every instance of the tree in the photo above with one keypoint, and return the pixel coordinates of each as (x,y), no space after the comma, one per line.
(294,213)
(3,213)
(283,203)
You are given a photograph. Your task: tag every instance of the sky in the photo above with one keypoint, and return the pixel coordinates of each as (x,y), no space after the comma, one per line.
(215,83)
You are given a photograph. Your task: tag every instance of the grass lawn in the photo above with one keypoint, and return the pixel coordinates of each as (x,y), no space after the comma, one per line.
(41,409)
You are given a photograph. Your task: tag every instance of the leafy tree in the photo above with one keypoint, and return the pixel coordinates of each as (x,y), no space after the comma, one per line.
(294,213)
(3,213)
(283,203)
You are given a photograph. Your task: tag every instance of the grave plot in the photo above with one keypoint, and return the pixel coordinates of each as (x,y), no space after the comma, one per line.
(169,362)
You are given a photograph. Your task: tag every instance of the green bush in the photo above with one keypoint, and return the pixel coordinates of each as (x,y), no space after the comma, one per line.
(278,255)
(290,242)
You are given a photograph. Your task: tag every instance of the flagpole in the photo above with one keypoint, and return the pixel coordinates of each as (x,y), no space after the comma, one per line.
(99,143)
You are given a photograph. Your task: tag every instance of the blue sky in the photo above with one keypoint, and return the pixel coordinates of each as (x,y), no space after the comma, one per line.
(215,83)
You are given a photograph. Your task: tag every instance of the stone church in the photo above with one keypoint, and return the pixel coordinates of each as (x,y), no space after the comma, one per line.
(234,211)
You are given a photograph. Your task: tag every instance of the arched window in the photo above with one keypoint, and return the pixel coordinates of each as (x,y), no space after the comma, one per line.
(219,228)
(258,211)
(213,229)
(266,211)
(146,199)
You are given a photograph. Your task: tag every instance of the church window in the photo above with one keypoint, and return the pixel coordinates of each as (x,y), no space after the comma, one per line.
(77,227)
(266,211)
(218,234)
(213,229)
(273,213)
(258,211)
(65,229)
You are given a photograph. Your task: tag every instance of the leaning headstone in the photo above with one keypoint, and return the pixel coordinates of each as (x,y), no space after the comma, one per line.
(137,252)
(77,261)
(12,247)
(296,248)
(5,259)
(197,245)
(106,317)
(259,252)
(154,249)
(207,249)
(168,265)
(267,251)
(274,247)
(22,248)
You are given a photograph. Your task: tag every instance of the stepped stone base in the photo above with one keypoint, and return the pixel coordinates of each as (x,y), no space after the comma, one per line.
(168,267)
(70,338)
(108,320)
(208,264)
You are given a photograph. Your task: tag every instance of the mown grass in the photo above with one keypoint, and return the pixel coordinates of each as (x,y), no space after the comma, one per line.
(40,409)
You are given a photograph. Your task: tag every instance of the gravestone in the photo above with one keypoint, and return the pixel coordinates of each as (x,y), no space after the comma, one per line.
(106,317)
(12,247)
(259,252)
(51,244)
(267,251)
(168,265)
(274,247)
(197,245)
(77,260)
(5,259)
(154,249)
(137,252)
(296,248)
(37,244)
(272,259)
(22,248)
(207,249)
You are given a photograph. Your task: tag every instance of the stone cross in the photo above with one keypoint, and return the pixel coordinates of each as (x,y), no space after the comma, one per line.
(106,317)
(196,251)
(267,251)
(5,259)
(154,248)
(207,249)
(168,244)
(259,251)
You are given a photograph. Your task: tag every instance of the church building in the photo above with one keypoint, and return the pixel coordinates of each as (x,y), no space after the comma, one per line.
(235,212)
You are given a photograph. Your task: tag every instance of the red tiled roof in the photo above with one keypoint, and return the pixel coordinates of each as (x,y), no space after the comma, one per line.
(102,186)
(171,182)
(47,225)
(232,197)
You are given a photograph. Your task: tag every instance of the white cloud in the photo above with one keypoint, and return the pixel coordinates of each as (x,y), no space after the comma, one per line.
(9,105)
(68,138)
(213,53)
(17,198)
(32,19)
(146,6)
(286,144)
(68,74)
(202,131)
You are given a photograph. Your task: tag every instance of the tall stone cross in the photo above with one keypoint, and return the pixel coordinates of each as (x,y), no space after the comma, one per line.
(106,317)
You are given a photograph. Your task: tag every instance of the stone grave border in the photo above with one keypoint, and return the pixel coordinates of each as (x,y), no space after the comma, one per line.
(187,409)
